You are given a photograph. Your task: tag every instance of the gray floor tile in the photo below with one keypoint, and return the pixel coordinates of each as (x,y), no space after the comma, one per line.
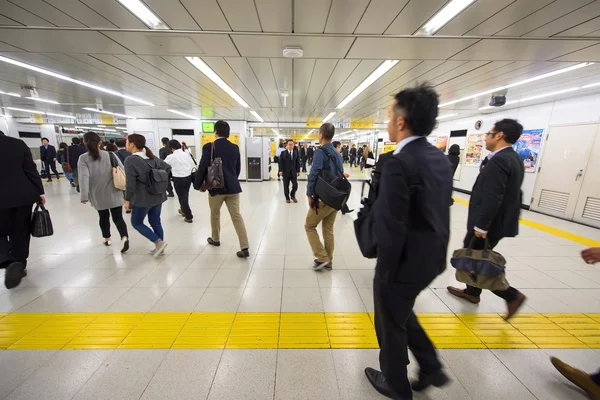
(178,299)
(342,300)
(18,365)
(301,300)
(261,300)
(306,374)
(220,299)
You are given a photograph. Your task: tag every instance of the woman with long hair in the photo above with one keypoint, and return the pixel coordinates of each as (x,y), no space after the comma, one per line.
(368,154)
(139,198)
(96,186)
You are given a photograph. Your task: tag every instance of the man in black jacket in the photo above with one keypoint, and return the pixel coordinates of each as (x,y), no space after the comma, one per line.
(48,157)
(26,189)
(495,204)
(289,170)
(163,152)
(75,151)
(230,193)
(310,152)
(303,156)
(412,228)
(122,152)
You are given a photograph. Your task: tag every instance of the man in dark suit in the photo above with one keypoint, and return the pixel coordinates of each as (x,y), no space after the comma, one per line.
(26,189)
(495,204)
(163,152)
(304,156)
(289,170)
(229,154)
(75,151)
(310,152)
(412,227)
(48,157)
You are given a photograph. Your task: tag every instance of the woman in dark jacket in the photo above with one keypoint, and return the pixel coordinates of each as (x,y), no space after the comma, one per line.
(454,157)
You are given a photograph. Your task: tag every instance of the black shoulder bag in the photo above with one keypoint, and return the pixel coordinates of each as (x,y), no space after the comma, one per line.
(332,189)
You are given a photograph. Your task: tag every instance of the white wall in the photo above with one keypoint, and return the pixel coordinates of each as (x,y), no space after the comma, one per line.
(162,128)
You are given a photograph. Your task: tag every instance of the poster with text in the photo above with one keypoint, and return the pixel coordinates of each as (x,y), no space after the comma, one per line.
(389,146)
(442,143)
(528,148)
(474,148)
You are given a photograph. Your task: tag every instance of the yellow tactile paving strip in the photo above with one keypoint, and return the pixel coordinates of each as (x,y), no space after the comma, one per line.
(218,330)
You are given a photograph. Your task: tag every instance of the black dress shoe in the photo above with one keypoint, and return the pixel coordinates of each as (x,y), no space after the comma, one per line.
(14,273)
(243,253)
(436,379)
(213,242)
(378,381)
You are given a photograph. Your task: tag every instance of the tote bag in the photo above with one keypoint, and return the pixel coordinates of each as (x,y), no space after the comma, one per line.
(119,180)
(41,224)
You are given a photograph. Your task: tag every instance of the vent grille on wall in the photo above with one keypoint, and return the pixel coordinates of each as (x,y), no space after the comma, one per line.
(592,209)
(555,201)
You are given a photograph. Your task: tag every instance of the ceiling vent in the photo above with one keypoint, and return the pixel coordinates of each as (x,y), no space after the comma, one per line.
(293,52)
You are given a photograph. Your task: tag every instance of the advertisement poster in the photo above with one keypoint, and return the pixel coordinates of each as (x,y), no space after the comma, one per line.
(474,148)
(208,138)
(389,146)
(442,143)
(528,147)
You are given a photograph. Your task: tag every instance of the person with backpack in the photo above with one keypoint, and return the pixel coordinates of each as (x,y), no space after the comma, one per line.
(146,190)
(325,158)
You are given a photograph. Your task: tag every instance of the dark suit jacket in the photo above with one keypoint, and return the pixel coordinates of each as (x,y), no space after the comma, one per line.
(310,152)
(412,229)
(496,197)
(287,165)
(122,154)
(230,155)
(376,176)
(75,151)
(21,181)
(303,153)
(48,154)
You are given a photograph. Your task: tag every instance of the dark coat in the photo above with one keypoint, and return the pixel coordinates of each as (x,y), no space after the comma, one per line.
(122,154)
(75,151)
(48,154)
(287,165)
(21,182)
(230,155)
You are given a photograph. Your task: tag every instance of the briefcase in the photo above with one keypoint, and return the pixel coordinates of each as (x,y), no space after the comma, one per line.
(484,269)
(41,224)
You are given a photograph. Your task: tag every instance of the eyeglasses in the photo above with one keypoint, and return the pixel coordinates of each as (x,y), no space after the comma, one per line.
(490,133)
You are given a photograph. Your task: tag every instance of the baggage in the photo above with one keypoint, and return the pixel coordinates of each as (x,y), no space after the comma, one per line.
(484,269)
(214,175)
(332,189)
(118,174)
(41,224)
(157,180)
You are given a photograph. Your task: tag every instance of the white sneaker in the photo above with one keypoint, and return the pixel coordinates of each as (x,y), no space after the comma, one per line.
(160,250)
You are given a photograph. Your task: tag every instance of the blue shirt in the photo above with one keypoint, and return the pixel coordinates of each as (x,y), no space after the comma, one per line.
(319,163)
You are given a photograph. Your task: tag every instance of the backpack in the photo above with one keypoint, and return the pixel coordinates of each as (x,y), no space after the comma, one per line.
(157,180)
(332,189)
(364,224)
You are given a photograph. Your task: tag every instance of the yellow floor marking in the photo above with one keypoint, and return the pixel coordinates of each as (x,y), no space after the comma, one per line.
(78,331)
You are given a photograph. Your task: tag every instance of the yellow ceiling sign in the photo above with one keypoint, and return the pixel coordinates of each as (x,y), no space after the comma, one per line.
(362,124)
(313,124)
(208,138)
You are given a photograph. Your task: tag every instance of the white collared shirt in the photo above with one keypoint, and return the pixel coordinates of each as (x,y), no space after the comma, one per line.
(489,156)
(180,162)
(141,154)
(406,141)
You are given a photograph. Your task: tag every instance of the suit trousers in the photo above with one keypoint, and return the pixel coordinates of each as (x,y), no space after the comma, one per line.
(233,206)
(293,178)
(182,188)
(47,166)
(117,217)
(509,294)
(303,164)
(397,328)
(15,234)
(325,215)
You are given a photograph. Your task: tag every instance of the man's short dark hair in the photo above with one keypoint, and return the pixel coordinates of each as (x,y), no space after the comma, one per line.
(419,107)
(289,140)
(76,141)
(120,142)
(511,128)
(222,129)
(327,130)
(174,144)
(112,141)
(165,141)
(336,144)
(45,138)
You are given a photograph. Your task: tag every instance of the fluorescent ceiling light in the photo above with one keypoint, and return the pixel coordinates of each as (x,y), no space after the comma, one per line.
(108,112)
(61,115)
(140,10)
(378,73)
(40,112)
(10,94)
(328,117)
(447,116)
(182,114)
(118,127)
(66,78)
(591,86)
(276,132)
(210,74)
(256,116)
(540,96)
(445,15)
(101,126)
(43,100)
(519,83)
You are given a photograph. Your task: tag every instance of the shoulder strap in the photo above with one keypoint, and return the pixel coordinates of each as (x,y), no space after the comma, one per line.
(332,158)
(113,161)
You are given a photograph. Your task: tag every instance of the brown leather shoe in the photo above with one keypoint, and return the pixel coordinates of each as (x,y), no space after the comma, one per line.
(577,377)
(461,293)
(513,306)
(288,201)
(294,200)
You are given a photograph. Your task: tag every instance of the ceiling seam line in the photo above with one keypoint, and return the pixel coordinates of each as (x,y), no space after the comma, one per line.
(276,84)
(14,20)
(571,52)
(346,80)
(243,84)
(62,12)
(491,16)
(460,51)
(12,45)
(100,15)
(234,45)
(224,16)
(575,26)
(362,16)
(395,18)
(32,13)
(556,19)
(328,13)
(435,13)
(325,85)
(486,72)
(526,16)
(466,72)
(112,40)
(190,14)
(350,48)
(259,83)
(257,16)
(309,83)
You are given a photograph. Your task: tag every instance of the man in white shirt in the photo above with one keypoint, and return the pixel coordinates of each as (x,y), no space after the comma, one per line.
(181,169)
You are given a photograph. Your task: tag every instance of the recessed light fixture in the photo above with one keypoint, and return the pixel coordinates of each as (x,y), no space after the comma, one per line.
(447,116)
(108,112)
(212,75)
(519,83)
(258,117)
(10,94)
(378,73)
(43,100)
(77,81)
(140,10)
(539,96)
(182,114)
(40,112)
(444,16)
(328,117)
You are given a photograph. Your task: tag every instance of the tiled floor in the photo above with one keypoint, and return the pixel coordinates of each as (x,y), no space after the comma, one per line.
(72,272)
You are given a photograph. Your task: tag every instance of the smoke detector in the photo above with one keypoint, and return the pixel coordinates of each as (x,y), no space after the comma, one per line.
(293,52)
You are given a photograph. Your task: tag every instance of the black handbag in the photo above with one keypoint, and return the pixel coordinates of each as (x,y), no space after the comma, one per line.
(332,189)
(364,227)
(41,224)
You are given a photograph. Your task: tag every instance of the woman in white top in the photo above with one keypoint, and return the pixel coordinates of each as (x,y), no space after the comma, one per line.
(181,169)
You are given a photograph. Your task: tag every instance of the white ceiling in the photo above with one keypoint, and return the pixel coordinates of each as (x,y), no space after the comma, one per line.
(489,44)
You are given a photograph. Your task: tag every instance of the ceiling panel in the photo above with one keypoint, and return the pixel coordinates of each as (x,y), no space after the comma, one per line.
(341,90)
(7,21)
(459,71)
(475,14)
(261,67)
(591,53)
(222,68)
(82,13)
(582,29)
(379,15)
(163,43)
(413,16)
(272,46)
(344,15)
(173,13)
(275,15)
(520,50)
(246,76)
(310,16)
(57,41)
(408,48)
(241,15)
(303,70)
(283,74)
(8,48)
(343,70)
(49,13)
(20,15)
(320,76)
(207,14)
(542,17)
(508,16)
(113,11)
(569,21)
(493,67)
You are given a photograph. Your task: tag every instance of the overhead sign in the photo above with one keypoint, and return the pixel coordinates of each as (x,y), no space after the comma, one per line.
(363,123)
(208,127)
(209,138)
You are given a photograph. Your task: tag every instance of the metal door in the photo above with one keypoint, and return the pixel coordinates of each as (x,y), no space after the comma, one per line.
(587,210)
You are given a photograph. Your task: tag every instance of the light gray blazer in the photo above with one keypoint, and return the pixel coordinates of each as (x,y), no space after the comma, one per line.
(96,181)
